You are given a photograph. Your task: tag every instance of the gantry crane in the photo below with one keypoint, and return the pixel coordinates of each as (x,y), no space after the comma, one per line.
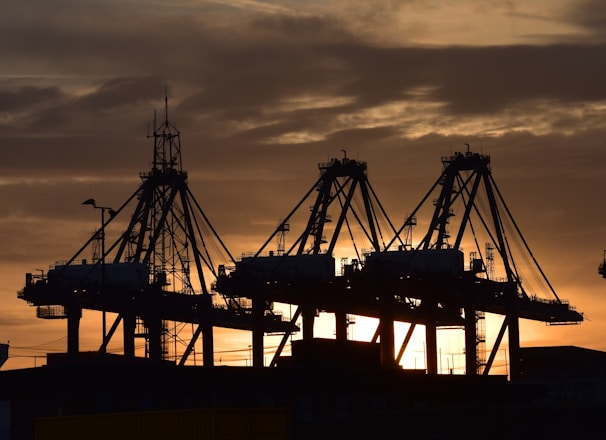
(156,270)
(157,276)
(468,212)
(345,209)
(427,284)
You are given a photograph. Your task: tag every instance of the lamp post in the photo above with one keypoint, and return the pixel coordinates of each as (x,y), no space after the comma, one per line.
(102,232)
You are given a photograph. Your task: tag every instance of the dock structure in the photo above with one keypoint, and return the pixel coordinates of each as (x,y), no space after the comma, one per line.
(156,276)
(164,271)
(393,280)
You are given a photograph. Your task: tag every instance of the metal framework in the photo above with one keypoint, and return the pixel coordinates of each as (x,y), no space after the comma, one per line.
(305,274)
(163,270)
(156,276)
(434,271)
(427,284)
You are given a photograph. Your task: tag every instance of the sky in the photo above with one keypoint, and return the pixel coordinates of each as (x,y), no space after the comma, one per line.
(262,91)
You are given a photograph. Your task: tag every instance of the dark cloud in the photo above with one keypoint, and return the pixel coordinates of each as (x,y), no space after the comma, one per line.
(249,72)
(119,93)
(19,99)
(591,15)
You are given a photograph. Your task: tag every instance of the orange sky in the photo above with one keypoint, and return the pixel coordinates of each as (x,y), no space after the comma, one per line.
(264,90)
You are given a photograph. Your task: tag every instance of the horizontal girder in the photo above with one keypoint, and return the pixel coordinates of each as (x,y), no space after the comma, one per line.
(169,306)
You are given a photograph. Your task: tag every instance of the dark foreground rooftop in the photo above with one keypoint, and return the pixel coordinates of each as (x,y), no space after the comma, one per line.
(109,398)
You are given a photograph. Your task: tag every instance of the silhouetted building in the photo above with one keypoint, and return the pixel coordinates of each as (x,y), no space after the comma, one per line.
(98,397)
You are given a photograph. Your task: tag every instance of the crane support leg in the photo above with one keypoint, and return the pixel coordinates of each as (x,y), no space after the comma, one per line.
(471,348)
(341,325)
(208,342)
(309,316)
(74,313)
(258,311)
(208,346)
(154,327)
(387,342)
(514,346)
(431,341)
(129,323)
